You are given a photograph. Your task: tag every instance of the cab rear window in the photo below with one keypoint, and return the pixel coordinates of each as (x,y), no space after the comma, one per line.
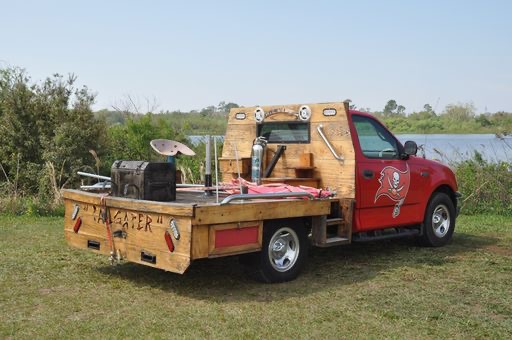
(284,132)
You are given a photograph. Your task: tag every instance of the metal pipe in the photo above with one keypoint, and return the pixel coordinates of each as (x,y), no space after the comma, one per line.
(238,197)
(100,185)
(273,161)
(208,165)
(321,132)
(187,185)
(216,169)
(81,173)
(238,167)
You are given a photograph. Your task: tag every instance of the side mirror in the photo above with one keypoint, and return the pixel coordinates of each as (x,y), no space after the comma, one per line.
(410,148)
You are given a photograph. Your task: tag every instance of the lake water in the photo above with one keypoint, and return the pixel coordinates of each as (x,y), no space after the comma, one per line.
(457,147)
(446,148)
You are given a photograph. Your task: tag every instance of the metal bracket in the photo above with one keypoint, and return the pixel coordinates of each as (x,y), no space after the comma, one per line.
(326,141)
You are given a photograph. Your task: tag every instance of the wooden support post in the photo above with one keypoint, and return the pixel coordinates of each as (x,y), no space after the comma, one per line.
(319,232)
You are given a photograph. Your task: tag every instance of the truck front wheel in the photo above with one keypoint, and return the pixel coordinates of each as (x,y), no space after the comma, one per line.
(283,254)
(439,221)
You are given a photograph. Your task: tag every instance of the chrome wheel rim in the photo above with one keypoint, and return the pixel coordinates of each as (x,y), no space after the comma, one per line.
(283,249)
(441,220)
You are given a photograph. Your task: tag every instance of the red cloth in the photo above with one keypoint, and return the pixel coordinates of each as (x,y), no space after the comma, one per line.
(276,188)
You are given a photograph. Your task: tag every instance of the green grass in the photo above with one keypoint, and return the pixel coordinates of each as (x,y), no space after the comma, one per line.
(386,289)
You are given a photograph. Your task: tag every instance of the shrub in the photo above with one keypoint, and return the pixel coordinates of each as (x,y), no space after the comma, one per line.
(487,187)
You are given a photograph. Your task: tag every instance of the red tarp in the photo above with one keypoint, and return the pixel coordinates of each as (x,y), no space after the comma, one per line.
(276,188)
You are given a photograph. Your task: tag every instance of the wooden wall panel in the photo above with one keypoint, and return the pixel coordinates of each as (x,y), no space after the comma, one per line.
(260,210)
(338,176)
(142,229)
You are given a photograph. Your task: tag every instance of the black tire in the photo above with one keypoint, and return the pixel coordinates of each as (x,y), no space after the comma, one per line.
(439,221)
(283,254)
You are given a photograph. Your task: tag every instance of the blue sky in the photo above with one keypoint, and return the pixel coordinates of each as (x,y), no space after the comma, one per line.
(190,54)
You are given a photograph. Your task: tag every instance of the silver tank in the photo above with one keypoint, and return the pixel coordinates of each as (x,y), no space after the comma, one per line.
(258,151)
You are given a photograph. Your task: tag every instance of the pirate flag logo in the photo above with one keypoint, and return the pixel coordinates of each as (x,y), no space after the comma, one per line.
(394,184)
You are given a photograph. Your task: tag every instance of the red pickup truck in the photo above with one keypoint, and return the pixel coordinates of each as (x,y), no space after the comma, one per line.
(392,182)
(291,177)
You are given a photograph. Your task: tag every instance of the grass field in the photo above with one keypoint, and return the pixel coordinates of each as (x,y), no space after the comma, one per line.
(386,289)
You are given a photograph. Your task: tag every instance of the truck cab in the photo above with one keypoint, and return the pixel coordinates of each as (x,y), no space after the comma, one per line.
(394,186)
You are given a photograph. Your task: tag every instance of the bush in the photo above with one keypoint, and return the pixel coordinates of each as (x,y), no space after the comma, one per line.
(46,132)
(487,187)
(30,205)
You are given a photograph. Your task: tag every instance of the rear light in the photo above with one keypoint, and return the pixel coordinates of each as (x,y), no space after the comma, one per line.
(77,225)
(174,228)
(168,240)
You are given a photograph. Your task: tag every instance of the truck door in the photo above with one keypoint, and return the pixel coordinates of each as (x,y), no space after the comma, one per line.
(388,186)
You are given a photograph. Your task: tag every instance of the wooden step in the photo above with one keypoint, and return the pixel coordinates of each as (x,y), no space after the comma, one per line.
(334,241)
(334,221)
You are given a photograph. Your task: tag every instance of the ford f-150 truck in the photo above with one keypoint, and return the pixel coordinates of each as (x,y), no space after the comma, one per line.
(291,177)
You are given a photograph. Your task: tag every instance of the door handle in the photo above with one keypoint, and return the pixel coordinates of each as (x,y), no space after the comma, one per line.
(368,174)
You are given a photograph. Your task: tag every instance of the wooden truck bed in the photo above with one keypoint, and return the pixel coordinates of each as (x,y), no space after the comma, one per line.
(196,225)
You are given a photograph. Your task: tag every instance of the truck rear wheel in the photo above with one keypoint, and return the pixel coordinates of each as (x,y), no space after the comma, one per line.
(283,254)
(439,221)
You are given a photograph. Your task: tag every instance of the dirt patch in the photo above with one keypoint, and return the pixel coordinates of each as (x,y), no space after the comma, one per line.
(499,250)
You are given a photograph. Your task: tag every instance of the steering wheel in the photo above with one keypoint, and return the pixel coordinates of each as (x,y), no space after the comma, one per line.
(386,150)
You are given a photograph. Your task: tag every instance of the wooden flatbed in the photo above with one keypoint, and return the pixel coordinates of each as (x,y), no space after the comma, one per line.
(205,228)
(307,145)
(292,150)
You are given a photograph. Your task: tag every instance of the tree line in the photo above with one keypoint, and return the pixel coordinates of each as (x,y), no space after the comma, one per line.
(454,118)
(48,132)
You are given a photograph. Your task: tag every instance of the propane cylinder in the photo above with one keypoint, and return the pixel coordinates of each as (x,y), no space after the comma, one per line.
(258,150)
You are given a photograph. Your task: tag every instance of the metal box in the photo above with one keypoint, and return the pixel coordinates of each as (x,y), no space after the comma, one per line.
(153,181)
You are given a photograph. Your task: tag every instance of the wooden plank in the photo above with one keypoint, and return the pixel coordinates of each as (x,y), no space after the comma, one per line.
(80,241)
(175,263)
(140,226)
(172,262)
(338,176)
(229,165)
(319,230)
(199,241)
(142,232)
(170,208)
(306,159)
(347,211)
(260,210)
(316,108)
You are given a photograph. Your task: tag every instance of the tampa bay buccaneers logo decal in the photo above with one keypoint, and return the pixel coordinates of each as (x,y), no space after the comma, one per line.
(394,184)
